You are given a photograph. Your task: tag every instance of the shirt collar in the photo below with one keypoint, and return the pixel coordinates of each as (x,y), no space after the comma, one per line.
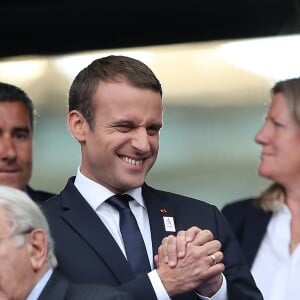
(37,290)
(89,188)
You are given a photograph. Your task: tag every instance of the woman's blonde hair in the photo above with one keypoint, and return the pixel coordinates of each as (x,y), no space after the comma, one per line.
(272,198)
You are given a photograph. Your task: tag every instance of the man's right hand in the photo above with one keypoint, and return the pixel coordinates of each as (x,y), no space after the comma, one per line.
(184,263)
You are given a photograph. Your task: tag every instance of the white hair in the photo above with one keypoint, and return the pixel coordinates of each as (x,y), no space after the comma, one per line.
(25,216)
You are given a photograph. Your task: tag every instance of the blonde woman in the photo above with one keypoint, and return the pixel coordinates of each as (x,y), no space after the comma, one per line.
(268,227)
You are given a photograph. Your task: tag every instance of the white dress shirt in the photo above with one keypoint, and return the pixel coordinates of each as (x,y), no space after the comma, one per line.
(275,270)
(38,288)
(110,218)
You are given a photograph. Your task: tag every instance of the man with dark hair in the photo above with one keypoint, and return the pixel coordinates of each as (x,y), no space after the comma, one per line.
(116,113)
(16,129)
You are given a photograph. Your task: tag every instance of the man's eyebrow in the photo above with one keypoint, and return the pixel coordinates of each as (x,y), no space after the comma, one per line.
(21,129)
(155,125)
(123,121)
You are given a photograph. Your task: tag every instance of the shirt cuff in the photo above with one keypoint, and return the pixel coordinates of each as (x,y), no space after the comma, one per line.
(162,294)
(158,287)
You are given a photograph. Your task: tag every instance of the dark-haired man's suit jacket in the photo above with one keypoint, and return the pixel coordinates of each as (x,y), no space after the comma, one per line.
(87,252)
(59,288)
(249,225)
(38,196)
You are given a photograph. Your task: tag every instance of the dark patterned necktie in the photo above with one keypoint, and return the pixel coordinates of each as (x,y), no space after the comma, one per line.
(133,241)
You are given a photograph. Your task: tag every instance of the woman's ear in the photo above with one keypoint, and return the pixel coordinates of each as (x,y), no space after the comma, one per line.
(37,244)
(77,125)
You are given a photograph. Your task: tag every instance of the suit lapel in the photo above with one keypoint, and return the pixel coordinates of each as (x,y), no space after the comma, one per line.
(157,209)
(94,232)
(255,228)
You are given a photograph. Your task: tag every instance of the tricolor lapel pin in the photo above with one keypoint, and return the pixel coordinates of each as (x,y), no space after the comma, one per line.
(163,210)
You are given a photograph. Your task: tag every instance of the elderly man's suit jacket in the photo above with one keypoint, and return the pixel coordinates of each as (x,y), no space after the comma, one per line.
(59,288)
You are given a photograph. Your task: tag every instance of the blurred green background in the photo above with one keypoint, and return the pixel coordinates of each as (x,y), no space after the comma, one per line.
(205,152)
(215,99)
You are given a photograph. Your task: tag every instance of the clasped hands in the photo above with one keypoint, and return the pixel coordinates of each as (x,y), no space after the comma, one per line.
(190,261)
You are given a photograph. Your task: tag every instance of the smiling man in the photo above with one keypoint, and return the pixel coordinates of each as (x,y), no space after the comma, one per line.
(116,113)
(16,129)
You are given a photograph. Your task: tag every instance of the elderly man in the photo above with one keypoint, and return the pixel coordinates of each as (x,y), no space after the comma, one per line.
(27,259)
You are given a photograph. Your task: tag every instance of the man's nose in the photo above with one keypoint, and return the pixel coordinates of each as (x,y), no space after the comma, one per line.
(140,140)
(7,148)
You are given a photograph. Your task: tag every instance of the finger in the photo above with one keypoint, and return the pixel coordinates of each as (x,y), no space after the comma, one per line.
(181,243)
(170,251)
(219,256)
(191,233)
(203,237)
(168,248)
(164,249)
(212,250)
(159,258)
(215,258)
(212,246)
(215,270)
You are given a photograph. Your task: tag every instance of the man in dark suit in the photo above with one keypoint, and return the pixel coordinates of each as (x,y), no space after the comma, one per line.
(28,264)
(16,128)
(38,196)
(115,113)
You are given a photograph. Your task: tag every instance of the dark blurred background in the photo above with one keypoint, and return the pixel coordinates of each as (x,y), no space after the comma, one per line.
(61,26)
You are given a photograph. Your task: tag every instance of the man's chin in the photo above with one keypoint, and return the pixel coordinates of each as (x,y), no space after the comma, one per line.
(133,184)
(12,184)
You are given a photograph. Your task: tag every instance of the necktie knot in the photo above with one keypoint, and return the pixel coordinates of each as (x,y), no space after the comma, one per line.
(119,202)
